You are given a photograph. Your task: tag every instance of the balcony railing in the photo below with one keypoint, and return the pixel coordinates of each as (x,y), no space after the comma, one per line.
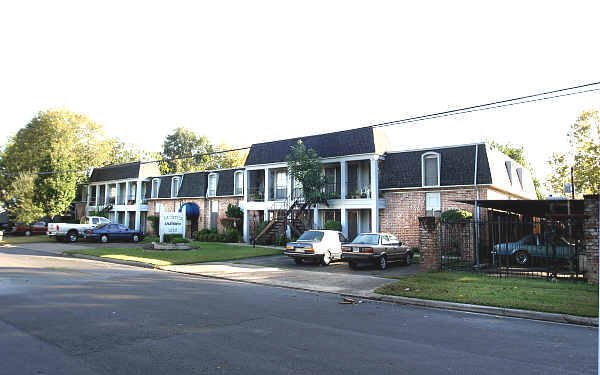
(256,194)
(111,200)
(278,193)
(297,193)
(92,200)
(356,191)
(331,191)
(131,199)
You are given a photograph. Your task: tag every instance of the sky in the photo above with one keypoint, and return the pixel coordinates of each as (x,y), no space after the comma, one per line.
(251,71)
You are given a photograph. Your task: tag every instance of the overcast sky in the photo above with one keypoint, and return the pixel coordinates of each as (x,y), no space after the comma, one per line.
(249,71)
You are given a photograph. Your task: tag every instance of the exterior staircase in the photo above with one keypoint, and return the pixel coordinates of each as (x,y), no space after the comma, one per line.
(295,216)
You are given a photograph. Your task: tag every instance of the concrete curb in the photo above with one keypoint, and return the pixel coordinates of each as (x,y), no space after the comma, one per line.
(489,310)
(109,260)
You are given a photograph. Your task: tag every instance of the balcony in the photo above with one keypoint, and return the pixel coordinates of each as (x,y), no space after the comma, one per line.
(278,193)
(256,194)
(131,199)
(358,191)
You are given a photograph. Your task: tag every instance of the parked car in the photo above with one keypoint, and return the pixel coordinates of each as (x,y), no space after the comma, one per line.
(534,245)
(377,248)
(71,232)
(113,232)
(39,227)
(318,246)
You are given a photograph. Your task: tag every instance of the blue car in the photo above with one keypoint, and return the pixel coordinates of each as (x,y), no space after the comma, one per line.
(113,232)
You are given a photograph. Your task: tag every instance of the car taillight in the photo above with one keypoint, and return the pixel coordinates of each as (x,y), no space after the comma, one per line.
(366,250)
(91,231)
(57,228)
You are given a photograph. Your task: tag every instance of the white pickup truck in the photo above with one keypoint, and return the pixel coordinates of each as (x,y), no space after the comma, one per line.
(71,232)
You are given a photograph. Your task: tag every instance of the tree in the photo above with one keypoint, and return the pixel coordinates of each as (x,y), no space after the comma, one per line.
(583,155)
(61,145)
(19,198)
(187,148)
(517,153)
(305,166)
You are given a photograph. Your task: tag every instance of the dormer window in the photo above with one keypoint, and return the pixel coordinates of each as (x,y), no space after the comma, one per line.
(155,186)
(212,184)
(508,165)
(238,183)
(430,169)
(175,184)
(520,176)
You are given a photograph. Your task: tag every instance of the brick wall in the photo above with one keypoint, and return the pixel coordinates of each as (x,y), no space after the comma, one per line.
(403,209)
(590,237)
(428,243)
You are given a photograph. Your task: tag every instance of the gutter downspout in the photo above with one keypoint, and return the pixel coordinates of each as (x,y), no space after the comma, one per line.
(476,210)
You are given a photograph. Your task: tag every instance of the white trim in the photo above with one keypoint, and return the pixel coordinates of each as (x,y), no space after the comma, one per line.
(433,187)
(173,179)
(434,148)
(332,159)
(152,188)
(439,163)
(235,174)
(216,175)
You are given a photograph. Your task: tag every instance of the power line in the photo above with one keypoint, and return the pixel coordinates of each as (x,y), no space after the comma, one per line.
(468,109)
(453,112)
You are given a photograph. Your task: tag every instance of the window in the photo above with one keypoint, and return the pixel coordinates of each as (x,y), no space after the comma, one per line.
(281,185)
(342,238)
(430,169)
(238,183)
(508,165)
(520,176)
(175,183)
(155,185)
(212,184)
(432,204)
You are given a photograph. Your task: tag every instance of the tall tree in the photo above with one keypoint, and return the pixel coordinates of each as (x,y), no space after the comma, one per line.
(517,153)
(305,166)
(19,199)
(61,144)
(583,156)
(184,151)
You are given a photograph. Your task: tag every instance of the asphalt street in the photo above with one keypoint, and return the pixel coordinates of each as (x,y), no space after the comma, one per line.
(72,316)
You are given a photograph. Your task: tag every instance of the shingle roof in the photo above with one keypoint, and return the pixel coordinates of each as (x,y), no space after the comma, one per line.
(194,185)
(164,189)
(225,181)
(403,169)
(116,172)
(347,142)
(124,171)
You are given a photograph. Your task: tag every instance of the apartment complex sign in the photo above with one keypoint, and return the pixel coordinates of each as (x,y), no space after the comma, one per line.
(171,223)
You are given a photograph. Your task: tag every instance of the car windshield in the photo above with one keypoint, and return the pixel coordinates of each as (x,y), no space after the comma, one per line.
(312,236)
(101,225)
(367,239)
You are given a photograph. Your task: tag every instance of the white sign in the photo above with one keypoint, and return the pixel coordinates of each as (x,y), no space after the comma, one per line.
(171,223)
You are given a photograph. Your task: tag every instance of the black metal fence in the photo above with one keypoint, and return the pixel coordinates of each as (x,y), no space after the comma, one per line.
(507,246)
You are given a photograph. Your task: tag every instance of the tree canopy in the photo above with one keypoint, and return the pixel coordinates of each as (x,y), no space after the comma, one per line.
(583,155)
(304,165)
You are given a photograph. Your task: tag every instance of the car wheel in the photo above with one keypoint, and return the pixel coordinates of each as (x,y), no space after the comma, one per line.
(408,259)
(72,236)
(353,265)
(28,233)
(135,238)
(298,260)
(326,258)
(522,257)
(382,263)
(104,238)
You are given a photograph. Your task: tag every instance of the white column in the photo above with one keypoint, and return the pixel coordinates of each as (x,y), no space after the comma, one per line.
(127,191)
(246,225)
(87,203)
(245,187)
(138,194)
(267,178)
(344,218)
(375,219)
(138,216)
(343,178)
(118,193)
(316,218)
(290,187)
(106,194)
(97,194)
(126,220)
(374,179)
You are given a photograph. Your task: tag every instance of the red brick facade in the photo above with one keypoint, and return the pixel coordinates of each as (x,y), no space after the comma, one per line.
(590,236)
(172,205)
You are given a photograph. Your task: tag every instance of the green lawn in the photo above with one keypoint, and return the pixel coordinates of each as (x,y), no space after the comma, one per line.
(207,252)
(25,239)
(529,294)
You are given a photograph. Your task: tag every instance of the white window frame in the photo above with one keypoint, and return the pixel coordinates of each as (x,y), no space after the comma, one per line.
(210,193)
(520,176)
(427,202)
(439,163)
(235,183)
(154,194)
(508,165)
(173,181)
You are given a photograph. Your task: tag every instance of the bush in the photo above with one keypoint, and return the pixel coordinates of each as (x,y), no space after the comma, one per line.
(212,237)
(414,249)
(333,225)
(234,211)
(171,238)
(154,220)
(281,240)
(207,231)
(455,215)
(232,235)
(179,240)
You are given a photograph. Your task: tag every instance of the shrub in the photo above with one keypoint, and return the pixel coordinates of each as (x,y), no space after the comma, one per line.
(221,237)
(179,240)
(414,249)
(232,235)
(207,231)
(234,211)
(172,237)
(333,225)
(154,220)
(281,240)
(212,237)
(455,215)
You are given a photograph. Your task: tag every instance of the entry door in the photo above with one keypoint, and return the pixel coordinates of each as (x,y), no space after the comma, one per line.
(352,224)
(214,214)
